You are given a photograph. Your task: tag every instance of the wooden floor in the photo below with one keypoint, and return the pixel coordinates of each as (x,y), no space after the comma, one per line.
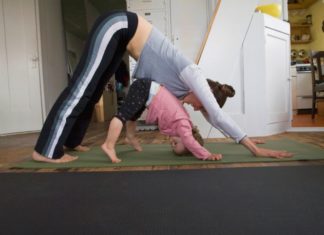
(19,147)
(305,120)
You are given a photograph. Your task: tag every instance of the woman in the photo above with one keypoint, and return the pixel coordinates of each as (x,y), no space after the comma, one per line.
(112,35)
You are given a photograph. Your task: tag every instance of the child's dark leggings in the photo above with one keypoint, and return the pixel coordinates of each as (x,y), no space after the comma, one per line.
(70,116)
(135,101)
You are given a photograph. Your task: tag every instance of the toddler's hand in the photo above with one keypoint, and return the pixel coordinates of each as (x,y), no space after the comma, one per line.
(214,157)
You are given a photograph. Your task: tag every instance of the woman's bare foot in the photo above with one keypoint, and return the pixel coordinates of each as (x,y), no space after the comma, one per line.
(64,159)
(134,143)
(79,148)
(111,153)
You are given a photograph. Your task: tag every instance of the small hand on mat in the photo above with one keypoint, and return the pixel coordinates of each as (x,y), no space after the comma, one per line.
(64,159)
(214,157)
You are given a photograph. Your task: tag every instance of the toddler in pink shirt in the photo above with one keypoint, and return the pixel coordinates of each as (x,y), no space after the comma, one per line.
(165,110)
(173,120)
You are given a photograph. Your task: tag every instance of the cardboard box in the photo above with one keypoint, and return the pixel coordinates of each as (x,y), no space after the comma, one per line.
(106,108)
(320,107)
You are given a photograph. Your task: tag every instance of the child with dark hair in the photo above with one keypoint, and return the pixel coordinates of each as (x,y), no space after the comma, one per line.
(165,110)
(220,92)
(179,148)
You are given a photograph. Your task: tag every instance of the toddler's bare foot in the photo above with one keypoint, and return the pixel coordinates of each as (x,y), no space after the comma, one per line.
(79,148)
(111,153)
(64,159)
(134,143)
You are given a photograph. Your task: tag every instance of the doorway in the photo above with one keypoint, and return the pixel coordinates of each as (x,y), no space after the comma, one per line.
(20,94)
(302,98)
(306,35)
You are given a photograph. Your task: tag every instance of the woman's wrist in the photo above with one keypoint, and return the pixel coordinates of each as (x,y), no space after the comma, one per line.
(250,145)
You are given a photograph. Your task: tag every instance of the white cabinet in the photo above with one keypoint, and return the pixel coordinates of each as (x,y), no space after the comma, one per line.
(267,76)
(293,76)
(146,4)
(154,11)
(171,18)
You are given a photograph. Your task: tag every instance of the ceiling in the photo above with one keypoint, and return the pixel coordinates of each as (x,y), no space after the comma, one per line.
(74,13)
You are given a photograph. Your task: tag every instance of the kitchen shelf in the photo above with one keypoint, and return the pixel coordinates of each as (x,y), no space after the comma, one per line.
(300,33)
(300,25)
(301,42)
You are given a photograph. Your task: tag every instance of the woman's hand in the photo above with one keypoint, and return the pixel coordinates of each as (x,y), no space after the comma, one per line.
(262,152)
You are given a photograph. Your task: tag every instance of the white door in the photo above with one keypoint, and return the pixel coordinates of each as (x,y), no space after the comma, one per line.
(189,25)
(20,96)
(277,74)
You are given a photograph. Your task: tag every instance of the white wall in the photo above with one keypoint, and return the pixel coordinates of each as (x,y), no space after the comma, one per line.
(224,59)
(188,32)
(53,56)
(221,60)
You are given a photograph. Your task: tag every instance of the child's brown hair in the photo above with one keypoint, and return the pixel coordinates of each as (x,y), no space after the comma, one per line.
(197,136)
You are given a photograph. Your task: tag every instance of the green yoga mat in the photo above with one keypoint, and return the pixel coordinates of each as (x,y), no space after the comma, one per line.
(161,155)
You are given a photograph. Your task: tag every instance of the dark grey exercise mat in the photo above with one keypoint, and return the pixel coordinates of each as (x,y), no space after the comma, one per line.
(266,200)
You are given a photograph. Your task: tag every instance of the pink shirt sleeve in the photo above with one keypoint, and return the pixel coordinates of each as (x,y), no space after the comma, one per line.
(184,131)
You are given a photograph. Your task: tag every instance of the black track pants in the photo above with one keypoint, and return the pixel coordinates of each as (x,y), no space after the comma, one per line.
(70,116)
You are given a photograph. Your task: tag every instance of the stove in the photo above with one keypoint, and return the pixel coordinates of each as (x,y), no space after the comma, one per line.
(304,86)
(303,68)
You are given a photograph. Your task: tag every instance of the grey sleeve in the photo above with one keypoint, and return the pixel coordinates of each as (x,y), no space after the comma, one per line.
(196,81)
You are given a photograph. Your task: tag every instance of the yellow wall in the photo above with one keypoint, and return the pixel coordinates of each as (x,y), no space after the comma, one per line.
(299,16)
(317,12)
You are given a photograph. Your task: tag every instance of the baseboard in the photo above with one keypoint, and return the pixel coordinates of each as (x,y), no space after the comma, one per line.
(306,129)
